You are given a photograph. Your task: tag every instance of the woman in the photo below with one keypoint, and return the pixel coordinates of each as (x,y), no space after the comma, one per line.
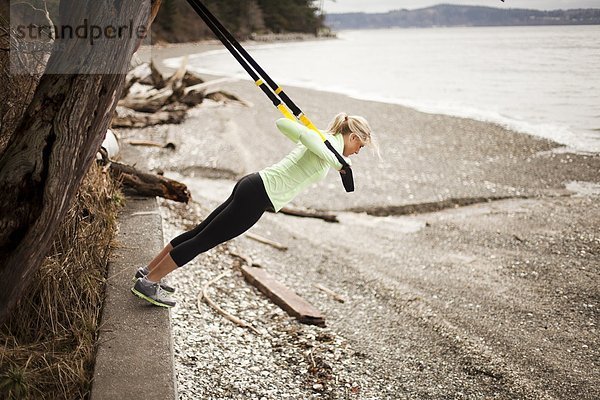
(270,189)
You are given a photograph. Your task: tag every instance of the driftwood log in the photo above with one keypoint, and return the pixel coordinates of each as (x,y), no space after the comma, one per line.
(284,297)
(125,118)
(148,102)
(146,184)
(151,99)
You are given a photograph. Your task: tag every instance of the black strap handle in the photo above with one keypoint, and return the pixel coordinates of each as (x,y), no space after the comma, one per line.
(345,172)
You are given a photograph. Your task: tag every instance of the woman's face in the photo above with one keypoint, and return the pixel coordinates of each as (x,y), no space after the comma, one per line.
(352,145)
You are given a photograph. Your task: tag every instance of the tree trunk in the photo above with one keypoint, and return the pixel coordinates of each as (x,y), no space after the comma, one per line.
(17,90)
(61,131)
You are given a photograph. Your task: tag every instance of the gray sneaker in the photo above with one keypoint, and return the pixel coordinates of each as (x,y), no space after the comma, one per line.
(151,292)
(143,271)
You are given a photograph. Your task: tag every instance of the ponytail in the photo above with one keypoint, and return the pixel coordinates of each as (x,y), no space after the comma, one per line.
(353,124)
(339,124)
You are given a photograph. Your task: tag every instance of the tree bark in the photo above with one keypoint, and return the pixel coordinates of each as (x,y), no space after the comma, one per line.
(56,142)
(17,90)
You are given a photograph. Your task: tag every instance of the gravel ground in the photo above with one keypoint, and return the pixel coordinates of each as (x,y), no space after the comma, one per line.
(485,301)
(492,300)
(216,359)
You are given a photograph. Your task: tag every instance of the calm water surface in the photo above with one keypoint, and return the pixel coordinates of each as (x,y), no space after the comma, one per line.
(540,80)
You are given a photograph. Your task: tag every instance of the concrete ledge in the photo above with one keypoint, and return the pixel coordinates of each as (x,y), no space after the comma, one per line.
(135,357)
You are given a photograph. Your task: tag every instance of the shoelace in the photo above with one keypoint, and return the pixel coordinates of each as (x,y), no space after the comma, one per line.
(160,291)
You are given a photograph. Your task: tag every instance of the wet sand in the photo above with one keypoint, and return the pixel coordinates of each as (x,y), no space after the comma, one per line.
(487,289)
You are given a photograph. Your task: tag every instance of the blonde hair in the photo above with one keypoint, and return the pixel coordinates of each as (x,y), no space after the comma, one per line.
(353,125)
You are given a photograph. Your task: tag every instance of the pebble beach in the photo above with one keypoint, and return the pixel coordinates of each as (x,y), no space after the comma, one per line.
(468,255)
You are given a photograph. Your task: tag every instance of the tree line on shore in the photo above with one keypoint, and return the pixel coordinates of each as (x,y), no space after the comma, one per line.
(177,22)
(458,15)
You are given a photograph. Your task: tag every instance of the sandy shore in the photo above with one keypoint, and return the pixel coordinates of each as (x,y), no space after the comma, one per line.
(490,300)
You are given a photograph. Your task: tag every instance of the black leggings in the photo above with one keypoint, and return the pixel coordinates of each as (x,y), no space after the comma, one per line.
(247,203)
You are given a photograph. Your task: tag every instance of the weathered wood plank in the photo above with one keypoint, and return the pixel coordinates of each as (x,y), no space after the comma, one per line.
(285,298)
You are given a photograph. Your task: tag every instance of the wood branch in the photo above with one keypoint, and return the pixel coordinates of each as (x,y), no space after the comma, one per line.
(191,79)
(309,214)
(147,92)
(142,120)
(150,143)
(169,144)
(152,99)
(222,96)
(203,295)
(146,184)
(192,98)
(175,82)
(157,79)
(140,74)
(149,102)
(330,292)
(264,240)
(245,259)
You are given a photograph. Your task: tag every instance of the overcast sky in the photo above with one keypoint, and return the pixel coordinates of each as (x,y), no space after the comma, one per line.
(336,6)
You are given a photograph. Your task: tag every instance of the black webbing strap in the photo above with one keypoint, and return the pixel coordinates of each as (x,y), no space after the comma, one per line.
(273,91)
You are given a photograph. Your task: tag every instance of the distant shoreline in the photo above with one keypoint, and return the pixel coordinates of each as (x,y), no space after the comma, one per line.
(159,52)
(459,26)
(256,38)
(447,15)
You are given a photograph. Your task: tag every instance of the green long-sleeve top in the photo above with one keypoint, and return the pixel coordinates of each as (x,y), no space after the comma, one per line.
(308,163)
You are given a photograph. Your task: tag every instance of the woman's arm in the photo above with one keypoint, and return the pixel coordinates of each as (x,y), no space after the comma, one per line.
(289,128)
(297,132)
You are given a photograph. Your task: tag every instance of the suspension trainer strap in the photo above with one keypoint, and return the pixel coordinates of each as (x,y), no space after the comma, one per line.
(273,91)
(278,90)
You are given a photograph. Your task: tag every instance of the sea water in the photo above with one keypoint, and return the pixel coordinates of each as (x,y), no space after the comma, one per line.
(543,80)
